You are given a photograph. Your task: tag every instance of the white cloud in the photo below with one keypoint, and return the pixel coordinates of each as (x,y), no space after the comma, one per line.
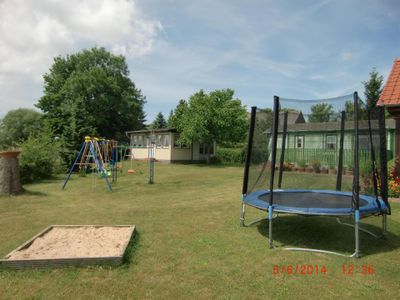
(33,32)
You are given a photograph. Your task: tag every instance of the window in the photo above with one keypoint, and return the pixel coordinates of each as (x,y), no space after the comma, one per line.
(299,141)
(331,142)
(162,141)
(138,141)
(203,149)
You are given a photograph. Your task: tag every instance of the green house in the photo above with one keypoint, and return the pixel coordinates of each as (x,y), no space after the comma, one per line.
(307,142)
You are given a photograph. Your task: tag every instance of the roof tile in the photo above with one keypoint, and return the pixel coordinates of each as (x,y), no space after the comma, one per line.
(391,91)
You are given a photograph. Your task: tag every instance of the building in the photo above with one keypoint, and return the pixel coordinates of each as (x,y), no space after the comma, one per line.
(390,98)
(167,148)
(307,142)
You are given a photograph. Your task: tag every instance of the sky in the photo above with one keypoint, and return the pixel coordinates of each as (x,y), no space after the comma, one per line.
(306,49)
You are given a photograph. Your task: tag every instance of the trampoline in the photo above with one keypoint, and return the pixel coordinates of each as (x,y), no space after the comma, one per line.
(315,202)
(342,134)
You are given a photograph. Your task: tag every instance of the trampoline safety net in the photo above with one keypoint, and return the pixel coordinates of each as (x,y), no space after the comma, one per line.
(326,144)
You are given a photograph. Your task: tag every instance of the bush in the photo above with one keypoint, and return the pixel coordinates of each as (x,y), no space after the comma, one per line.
(40,157)
(231,155)
(288,165)
(316,165)
(393,180)
(302,163)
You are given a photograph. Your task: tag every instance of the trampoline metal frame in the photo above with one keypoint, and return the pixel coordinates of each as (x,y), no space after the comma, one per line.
(356,227)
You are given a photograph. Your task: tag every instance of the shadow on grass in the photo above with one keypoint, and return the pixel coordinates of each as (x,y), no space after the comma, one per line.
(33,193)
(133,245)
(214,165)
(325,233)
(24,192)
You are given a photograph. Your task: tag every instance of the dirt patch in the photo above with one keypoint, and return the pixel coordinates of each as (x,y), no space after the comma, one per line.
(75,242)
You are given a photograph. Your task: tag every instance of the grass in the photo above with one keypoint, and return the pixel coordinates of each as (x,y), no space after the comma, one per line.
(189,242)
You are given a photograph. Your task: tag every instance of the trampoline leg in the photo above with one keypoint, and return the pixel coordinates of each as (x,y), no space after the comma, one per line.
(242,212)
(270,209)
(384,224)
(356,232)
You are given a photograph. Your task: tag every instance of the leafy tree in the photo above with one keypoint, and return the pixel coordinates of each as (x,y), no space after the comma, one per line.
(17,125)
(90,93)
(170,117)
(159,122)
(216,116)
(322,112)
(373,88)
(175,120)
(40,156)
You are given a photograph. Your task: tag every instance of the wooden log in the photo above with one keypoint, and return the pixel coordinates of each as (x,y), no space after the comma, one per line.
(9,173)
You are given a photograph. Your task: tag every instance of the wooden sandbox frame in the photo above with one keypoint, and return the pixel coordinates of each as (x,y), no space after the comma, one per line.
(60,262)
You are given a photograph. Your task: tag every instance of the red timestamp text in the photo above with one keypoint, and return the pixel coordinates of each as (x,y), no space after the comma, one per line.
(351,269)
(299,269)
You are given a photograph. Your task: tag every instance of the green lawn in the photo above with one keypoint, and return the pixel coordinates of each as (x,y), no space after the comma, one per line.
(190,244)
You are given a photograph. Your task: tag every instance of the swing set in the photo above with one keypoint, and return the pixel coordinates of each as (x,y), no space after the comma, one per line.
(99,155)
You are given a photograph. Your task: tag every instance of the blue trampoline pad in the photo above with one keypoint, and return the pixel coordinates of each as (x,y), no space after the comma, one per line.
(314,202)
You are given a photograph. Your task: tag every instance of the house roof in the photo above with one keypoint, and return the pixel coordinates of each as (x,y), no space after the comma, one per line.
(332,126)
(390,95)
(294,117)
(144,131)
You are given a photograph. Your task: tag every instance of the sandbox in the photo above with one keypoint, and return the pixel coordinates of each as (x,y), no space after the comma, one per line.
(59,245)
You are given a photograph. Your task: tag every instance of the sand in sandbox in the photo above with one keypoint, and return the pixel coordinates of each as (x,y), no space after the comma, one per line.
(75,242)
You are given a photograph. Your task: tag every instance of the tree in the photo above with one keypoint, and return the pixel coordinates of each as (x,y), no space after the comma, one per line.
(170,117)
(159,122)
(90,93)
(40,156)
(212,117)
(175,120)
(322,112)
(373,88)
(17,125)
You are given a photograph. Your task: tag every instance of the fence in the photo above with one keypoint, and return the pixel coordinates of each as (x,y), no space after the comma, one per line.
(327,158)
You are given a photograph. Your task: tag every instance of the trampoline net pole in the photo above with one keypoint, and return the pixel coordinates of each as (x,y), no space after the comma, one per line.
(340,160)
(356,179)
(247,162)
(249,149)
(273,150)
(273,160)
(383,157)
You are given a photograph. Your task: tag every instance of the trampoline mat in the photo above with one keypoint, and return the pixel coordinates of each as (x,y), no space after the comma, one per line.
(311,199)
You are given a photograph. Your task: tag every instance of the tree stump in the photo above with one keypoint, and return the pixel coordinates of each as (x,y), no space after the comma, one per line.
(9,173)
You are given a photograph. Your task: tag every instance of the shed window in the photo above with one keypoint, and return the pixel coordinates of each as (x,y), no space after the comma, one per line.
(162,141)
(138,141)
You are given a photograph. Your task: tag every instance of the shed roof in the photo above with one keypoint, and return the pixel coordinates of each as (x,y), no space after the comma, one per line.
(390,95)
(145,131)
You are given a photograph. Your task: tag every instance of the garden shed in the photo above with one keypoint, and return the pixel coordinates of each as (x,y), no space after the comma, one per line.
(166,145)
